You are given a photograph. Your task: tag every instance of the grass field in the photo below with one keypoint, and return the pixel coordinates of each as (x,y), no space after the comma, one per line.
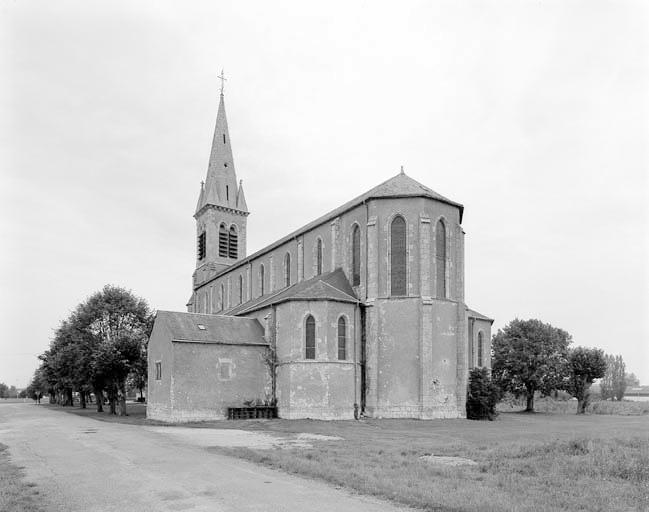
(525,462)
(15,494)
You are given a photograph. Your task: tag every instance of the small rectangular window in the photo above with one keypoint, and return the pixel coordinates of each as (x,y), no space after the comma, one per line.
(158,370)
(225,369)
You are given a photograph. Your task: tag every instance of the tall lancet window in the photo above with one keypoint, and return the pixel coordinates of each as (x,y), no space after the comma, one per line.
(440,259)
(480,349)
(356,255)
(398,282)
(261,279)
(342,339)
(223,241)
(309,341)
(287,269)
(233,243)
(221,298)
(240,288)
(318,257)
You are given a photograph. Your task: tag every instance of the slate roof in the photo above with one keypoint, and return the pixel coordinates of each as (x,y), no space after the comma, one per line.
(330,286)
(229,330)
(474,314)
(400,185)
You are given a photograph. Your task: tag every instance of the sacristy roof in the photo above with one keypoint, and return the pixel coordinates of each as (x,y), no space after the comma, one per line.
(203,328)
(330,286)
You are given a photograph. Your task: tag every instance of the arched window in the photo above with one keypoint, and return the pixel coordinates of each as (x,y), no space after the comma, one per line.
(240,288)
(287,269)
(398,257)
(356,255)
(233,243)
(309,338)
(440,259)
(318,257)
(261,279)
(223,241)
(480,349)
(342,339)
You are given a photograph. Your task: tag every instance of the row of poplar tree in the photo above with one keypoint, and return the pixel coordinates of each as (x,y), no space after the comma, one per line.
(97,351)
(530,357)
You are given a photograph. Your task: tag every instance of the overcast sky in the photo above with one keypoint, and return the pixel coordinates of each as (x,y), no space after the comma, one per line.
(533,114)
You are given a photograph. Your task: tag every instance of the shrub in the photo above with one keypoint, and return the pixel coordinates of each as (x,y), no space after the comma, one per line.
(482,396)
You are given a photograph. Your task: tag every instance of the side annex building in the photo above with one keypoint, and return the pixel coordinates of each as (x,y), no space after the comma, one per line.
(361,311)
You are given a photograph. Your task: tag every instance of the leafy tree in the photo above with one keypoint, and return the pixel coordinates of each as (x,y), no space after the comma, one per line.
(482,395)
(613,384)
(530,356)
(4,389)
(586,365)
(96,348)
(119,323)
(631,380)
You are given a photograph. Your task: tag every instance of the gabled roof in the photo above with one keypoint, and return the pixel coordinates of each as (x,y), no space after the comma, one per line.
(228,330)
(400,185)
(479,316)
(331,286)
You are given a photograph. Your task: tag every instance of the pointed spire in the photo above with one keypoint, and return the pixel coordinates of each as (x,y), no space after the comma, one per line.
(241,198)
(221,183)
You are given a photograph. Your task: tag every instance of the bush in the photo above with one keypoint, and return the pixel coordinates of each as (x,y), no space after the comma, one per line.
(482,396)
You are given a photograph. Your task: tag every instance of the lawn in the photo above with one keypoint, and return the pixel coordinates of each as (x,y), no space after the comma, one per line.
(525,462)
(15,494)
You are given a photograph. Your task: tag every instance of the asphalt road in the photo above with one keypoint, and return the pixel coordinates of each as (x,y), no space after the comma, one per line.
(86,465)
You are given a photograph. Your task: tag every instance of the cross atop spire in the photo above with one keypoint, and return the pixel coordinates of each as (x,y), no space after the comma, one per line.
(223,80)
(402,170)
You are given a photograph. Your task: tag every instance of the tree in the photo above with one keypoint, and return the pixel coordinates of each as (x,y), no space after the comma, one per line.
(96,348)
(482,395)
(530,356)
(631,380)
(613,384)
(120,324)
(586,365)
(4,389)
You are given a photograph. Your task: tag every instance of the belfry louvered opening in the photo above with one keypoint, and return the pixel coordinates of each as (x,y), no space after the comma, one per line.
(202,248)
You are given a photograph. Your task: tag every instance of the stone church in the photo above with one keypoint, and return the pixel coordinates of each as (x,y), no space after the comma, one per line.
(360,312)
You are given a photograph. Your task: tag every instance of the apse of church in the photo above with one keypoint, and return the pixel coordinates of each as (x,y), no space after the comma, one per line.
(363,309)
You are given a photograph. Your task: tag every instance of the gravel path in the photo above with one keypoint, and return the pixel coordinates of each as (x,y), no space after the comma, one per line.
(85,465)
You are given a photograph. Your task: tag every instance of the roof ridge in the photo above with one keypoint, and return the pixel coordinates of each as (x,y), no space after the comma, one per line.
(339,290)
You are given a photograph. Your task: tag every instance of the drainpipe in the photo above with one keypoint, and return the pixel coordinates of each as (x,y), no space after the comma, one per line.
(356,406)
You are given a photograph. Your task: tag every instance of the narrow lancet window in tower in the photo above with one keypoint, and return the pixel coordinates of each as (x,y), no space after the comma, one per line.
(261,279)
(398,257)
(440,259)
(480,349)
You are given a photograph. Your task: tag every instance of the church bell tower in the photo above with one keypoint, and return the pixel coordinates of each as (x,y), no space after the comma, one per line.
(221,211)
